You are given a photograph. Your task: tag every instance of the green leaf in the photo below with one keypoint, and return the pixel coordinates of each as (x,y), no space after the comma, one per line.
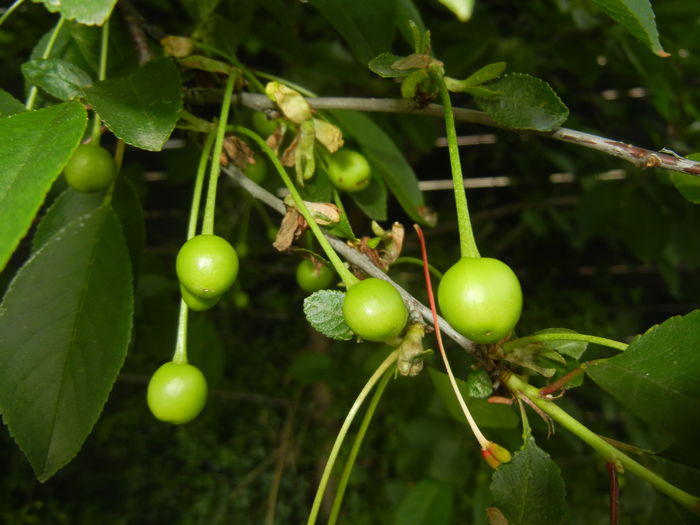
(462,9)
(324,311)
(389,161)
(366,25)
(479,384)
(57,77)
(529,490)
(573,349)
(688,185)
(65,324)
(372,200)
(67,207)
(656,378)
(89,12)
(34,147)
(141,109)
(429,502)
(485,413)
(637,17)
(9,105)
(485,74)
(524,103)
(388,65)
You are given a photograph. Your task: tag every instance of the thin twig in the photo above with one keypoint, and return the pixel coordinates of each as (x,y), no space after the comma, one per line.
(640,157)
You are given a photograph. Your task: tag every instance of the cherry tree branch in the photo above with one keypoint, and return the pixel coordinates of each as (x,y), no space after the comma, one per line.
(640,157)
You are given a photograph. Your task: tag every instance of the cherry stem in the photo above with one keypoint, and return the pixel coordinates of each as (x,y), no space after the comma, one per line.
(381,369)
(600,445)
(483,442)
(9,10)
(101,75)
(348,278)
(215,169)
(564,336)
(199,183)
(614,494)
(357,443)
(33,91)
(467,242)
(561,382)
(414,260)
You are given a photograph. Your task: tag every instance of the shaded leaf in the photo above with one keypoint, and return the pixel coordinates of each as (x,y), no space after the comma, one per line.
(525,102)
(688,185)
(485,413)
(34,147)
(372,200)
(65,324)
(637,17)
(485,74)
(530,490)
(573,349)
(429,502)
(57,77)
(389,161)
(366,25)
(656,378)
(324,311)
(9,105)
(89,12)
(385,65)
(141,109)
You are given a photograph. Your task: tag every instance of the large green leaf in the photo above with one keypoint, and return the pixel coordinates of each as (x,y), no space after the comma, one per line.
(141,109)
(367,26)
(530,490)
(485,413)
(637,17)
(523,102)
(90,12)
(57,77)
(429,502)
(34,147)
(9,105)
(657,377)
(65,324)
(388,159)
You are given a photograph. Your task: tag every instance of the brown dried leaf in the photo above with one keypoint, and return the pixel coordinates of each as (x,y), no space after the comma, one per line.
(414,61)
(238,151)
(293,225)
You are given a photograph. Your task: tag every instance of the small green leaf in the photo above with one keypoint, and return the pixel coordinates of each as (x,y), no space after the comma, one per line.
(34,147)
(65,324)
(57,77)
(656,378)
(206,64)
(637,17)
(573,349)
(429,502)
(9,105)
(462,9)
(688,185)
(141,109)
(324,311)
(89,12)
(485,74)
(530,490)
(524,103)
(485,413)
(386,66)
(479,384)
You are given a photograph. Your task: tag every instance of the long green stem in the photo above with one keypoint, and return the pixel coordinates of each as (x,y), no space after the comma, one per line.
(210,209)
(348,278)
(357,443)
(180,354)
(386,364)
(467,242)
(605,449)
(101,75)
(9,10)
(565,336)
(199,183)
(31,98)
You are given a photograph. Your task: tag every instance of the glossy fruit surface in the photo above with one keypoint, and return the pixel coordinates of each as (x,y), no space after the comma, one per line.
(90,169)
(349,170)
(207,265)
(312,277)
(263,125)
(374,310)
(256,172)
(481,298)
(196,303)
(176,393)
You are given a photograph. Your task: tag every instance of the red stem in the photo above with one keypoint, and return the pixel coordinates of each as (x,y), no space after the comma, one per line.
(614,494)
(561,382)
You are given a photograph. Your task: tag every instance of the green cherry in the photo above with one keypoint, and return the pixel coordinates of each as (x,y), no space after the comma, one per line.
(90,169)
(374,310)
(176,393)
(207,265)
(349,170)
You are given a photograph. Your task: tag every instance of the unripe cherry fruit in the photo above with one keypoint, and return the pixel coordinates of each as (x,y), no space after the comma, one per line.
(177,393)
(90,169)
(312,277)
(207,265)
(374,310)
(349,170)
(481,298)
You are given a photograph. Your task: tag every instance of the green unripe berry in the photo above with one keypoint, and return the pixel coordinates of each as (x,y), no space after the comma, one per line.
(349,170)
(264,125)
(312,277)
(177,393)
(481,298)
(90,169)
(256,172)
(207,265)
(374,310)
(196,303)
